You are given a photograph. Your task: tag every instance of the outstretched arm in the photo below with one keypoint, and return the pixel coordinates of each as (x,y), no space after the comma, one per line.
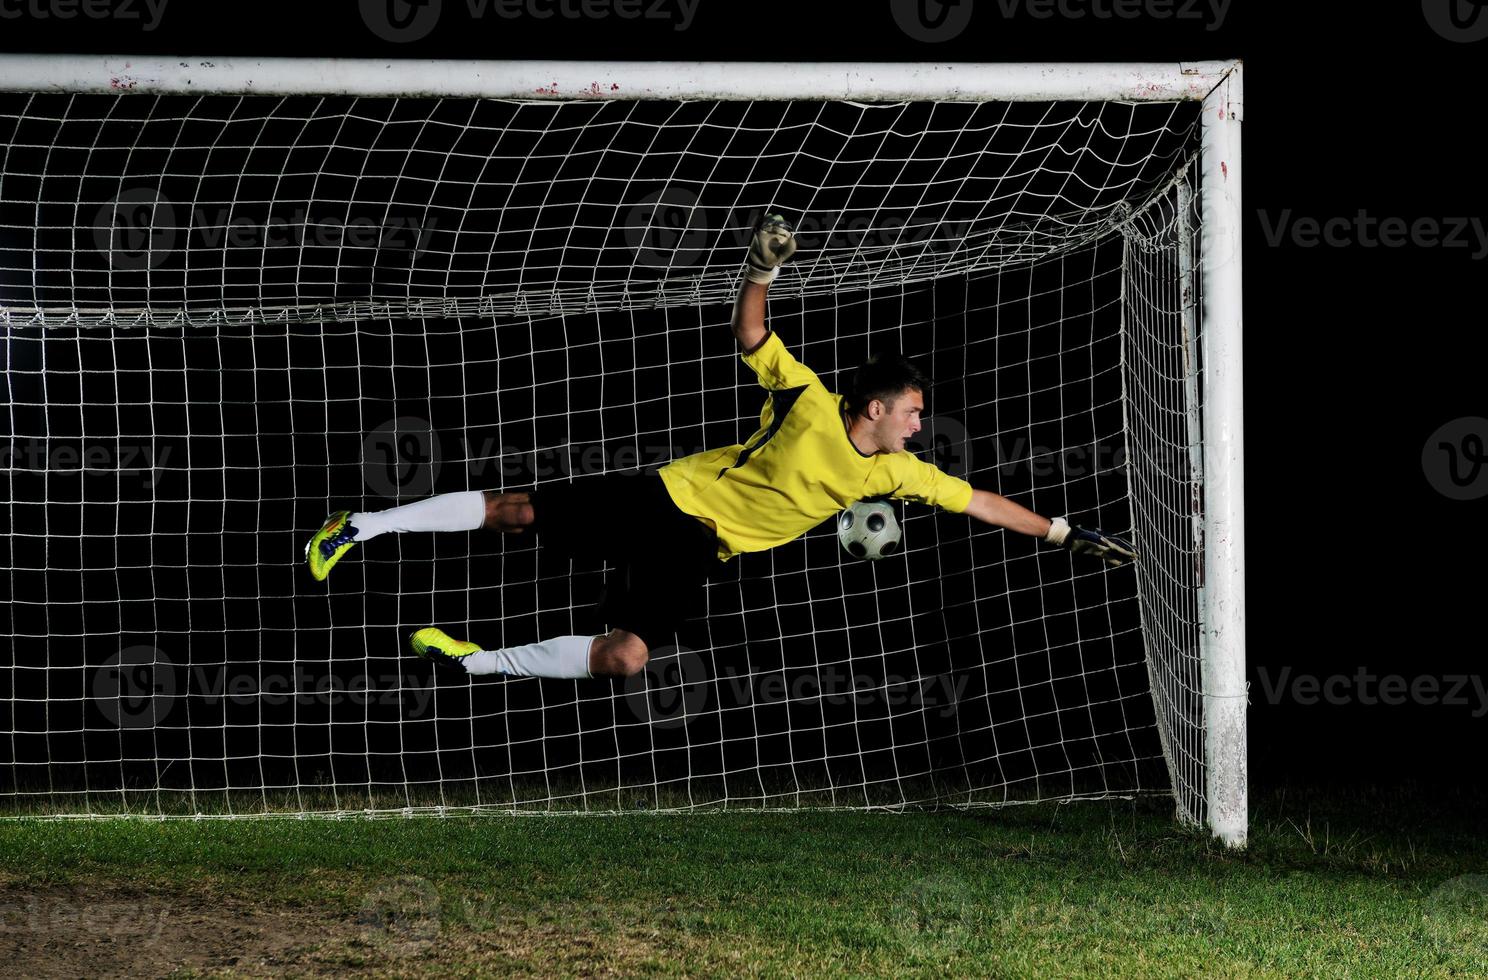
(995,509)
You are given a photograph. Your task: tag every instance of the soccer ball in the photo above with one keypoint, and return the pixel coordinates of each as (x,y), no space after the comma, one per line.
(869,529)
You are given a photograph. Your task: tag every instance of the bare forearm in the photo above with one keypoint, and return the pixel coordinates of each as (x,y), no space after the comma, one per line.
(995,509)
(749,314)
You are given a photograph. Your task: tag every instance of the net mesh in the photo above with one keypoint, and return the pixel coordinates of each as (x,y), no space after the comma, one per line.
(227,316)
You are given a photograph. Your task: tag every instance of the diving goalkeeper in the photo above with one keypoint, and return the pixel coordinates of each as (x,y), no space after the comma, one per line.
(815,454)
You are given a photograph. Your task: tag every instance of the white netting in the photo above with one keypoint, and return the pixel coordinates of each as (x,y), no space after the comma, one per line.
(227,316)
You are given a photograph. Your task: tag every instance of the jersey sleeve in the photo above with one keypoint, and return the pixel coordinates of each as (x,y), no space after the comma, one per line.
(775,366)
(921,482)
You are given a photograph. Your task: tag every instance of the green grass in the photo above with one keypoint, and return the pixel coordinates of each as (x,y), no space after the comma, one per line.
(1364,884)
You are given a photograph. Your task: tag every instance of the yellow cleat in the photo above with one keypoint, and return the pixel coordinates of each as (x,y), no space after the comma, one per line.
(332,541)
(433,642)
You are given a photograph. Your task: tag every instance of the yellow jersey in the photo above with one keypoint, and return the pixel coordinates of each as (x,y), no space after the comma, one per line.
(799,469)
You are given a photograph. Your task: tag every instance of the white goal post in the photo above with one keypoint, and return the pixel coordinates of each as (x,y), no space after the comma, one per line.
(1000,178)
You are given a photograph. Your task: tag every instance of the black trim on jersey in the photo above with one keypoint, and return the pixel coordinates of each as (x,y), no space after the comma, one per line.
(782,400)
(756,348)
(847,432)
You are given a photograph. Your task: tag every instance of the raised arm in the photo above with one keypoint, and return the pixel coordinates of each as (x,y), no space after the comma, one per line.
(773,243)
(749,314)
(995,509)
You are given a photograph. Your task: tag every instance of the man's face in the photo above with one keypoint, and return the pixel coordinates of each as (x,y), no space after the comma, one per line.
(900,421)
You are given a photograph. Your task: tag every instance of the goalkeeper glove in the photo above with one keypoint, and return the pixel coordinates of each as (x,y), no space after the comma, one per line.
(774,242)
(1112,550)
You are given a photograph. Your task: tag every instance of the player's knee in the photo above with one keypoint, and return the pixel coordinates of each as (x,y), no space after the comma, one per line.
(519,513)
(618,654)
(508,511)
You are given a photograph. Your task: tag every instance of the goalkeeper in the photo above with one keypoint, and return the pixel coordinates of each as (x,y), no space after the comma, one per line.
(815,454)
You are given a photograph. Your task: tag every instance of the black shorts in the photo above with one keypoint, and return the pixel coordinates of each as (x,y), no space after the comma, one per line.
(661,557)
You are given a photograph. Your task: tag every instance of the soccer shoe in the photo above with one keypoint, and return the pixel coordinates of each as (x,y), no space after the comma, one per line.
(333,540)
(432,643)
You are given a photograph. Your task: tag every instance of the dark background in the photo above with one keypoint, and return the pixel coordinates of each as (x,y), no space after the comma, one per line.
(1354,355)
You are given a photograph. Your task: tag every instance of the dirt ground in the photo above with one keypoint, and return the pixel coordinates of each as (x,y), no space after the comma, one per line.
(99,930)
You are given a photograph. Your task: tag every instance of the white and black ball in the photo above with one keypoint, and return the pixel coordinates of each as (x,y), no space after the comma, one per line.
(869,529)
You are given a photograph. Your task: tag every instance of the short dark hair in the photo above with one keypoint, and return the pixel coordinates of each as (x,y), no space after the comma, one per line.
(885,377)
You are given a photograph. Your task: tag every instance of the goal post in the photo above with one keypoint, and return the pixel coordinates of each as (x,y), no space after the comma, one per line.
(239,291)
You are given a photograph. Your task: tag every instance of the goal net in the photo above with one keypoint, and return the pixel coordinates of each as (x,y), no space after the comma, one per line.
(239,296)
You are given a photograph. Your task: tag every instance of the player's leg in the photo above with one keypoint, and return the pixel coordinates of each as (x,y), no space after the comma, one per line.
(650,596)
(617,653)
(469,510)
(646,599)
(655,585)
(561,656)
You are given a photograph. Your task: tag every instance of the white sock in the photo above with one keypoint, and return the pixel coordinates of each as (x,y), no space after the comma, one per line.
(444,512)
(562,656)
